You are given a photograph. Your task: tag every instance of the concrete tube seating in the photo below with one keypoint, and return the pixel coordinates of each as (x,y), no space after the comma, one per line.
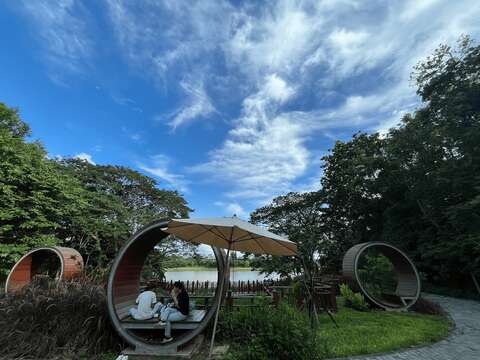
(408,281)
(70,265)
(124,287)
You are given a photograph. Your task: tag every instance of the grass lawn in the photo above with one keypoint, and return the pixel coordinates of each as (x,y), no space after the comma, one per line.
(378,331)
(363,332)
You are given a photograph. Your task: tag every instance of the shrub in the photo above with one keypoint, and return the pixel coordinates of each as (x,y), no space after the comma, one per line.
(424,306)
(268,333)
(56,320)
(377,274)
(352,299)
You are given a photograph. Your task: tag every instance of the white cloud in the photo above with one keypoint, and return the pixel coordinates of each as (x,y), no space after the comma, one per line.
(414,8)
(277,89)
(286,44)
(265,151)
(274,41)
(85,157)
(290,70)
(236,209)
(391,122)
(174,53)
(198,105)
(233,208)
(159,167)
(62,27)
(136,137)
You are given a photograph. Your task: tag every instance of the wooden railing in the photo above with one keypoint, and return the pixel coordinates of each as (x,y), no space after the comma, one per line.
(208,287)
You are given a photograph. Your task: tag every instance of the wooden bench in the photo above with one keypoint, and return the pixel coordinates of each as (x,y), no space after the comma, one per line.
(191,322)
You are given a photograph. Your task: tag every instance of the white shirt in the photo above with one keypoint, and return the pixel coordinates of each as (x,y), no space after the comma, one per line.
(145,301)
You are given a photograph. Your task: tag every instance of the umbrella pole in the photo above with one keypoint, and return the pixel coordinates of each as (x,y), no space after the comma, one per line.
(220,302)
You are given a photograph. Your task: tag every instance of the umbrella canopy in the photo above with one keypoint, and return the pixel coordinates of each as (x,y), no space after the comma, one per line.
(232,233)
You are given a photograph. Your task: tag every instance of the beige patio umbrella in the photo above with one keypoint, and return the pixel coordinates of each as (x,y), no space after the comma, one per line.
(231,233)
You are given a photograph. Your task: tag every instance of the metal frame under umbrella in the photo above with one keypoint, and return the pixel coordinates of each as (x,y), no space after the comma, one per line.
(230,233)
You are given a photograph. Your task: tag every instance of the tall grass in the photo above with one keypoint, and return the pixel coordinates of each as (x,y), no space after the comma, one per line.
(56,320)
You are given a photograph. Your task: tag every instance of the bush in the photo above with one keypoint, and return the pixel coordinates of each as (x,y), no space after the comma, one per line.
(56,320)
(268,333)
(377,274)
(353,300)
(424,306)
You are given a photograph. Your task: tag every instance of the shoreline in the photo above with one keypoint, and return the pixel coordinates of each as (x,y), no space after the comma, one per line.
(200,268)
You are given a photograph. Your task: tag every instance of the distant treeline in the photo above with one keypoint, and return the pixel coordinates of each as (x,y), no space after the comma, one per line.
(70,202)
(175,261)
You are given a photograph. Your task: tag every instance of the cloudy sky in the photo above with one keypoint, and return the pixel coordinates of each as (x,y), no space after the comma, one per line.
(230,102)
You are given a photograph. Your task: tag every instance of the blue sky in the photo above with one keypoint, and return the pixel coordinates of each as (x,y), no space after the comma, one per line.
(231,103)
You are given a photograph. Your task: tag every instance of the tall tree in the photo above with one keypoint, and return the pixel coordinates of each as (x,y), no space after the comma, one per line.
(121,201)
(417,187)
(354,188)
(93,208)
(438,149)
(35,197)
(297,215)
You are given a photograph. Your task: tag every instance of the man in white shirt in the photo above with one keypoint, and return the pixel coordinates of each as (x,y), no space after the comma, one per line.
(145,301)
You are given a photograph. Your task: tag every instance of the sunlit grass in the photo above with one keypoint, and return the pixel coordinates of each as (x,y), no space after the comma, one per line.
(377,331)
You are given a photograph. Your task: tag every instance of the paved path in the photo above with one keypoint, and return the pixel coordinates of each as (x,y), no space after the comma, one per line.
(462,344)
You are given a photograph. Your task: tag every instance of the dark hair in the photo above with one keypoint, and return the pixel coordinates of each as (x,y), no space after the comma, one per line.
(149,287)
(179,285)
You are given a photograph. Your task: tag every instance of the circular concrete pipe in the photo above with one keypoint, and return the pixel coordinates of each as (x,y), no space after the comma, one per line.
(408,280)
(70,265)
(124,287)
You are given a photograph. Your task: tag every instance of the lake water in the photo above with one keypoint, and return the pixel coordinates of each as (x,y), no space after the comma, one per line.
(211,275)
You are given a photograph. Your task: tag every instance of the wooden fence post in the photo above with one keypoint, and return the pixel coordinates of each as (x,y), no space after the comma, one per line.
(276,298)
(229,302)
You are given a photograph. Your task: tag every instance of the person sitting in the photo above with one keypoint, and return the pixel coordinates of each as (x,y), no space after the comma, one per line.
(176,311)
(145,301)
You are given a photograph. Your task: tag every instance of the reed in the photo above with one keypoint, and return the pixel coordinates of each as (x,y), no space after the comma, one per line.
(67,319)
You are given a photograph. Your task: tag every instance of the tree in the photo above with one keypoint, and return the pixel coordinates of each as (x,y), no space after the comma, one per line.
(11,122)
(120,202)
(297,215)
(35,197)
(92,208)
(300,216)
(354,192)
(438,149)
(418,187)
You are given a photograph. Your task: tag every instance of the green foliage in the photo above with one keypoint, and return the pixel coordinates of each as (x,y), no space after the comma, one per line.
(417,187)
(56,320)
(120,201)
(359,332)
(352,188)
(297,216)
(377,274)
(10,122)
(92,208)
(196,260)
(352,299)
(35,197)
(266,333)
